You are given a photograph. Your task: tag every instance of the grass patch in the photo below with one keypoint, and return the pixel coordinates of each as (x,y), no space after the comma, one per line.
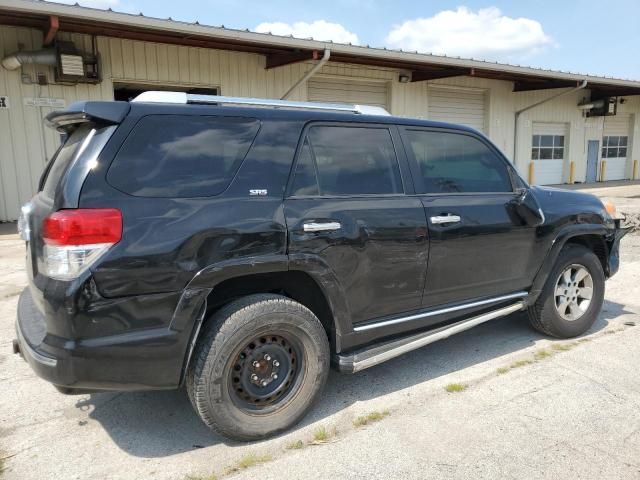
(200,477)
(609,332)
(370,417)
(520,363)
(516,364)
(584,340)
(252,459)
(563,347)
(297,445)
(322,435)
(542,354)
(456,387)
(249,460)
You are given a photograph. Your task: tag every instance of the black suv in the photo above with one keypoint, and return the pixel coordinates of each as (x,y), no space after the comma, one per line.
(239,247)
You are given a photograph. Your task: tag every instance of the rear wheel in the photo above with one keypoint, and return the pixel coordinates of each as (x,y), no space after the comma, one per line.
(572,298)
(258,367)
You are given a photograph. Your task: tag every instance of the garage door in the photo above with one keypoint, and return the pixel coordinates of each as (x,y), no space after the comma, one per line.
(348,91)
(615,146)
(548,148)
(466,107)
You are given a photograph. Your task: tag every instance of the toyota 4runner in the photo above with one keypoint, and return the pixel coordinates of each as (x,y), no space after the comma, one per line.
(239,247)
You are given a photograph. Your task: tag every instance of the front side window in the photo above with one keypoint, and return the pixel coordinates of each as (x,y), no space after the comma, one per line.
(614,147)
(547,147)
(337,160)
(182,156)
(457,163)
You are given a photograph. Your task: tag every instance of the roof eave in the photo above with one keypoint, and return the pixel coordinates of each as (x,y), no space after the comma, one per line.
(265,43)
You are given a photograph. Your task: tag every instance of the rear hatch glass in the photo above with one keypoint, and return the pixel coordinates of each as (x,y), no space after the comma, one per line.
(59,164)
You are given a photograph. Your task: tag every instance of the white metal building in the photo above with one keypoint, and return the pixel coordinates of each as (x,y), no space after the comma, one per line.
(549,123)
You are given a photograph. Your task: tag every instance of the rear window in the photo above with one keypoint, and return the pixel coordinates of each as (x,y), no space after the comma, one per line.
(182,155)
(62,159)
(341,160)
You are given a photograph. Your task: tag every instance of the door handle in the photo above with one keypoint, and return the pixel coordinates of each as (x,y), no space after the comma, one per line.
(448,218)
(321,226)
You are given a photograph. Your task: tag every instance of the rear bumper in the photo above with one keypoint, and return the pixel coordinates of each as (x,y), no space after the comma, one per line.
(139,360)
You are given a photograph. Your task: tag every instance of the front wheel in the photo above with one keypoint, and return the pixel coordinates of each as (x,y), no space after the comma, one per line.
(572,298)
(258,367)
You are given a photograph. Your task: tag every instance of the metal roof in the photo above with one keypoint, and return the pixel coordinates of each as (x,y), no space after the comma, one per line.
(280,50)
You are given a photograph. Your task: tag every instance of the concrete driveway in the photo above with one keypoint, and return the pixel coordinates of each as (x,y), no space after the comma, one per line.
(530,407)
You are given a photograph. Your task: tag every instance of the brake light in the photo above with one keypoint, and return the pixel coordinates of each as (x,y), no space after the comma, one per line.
(83,227)
(75,239)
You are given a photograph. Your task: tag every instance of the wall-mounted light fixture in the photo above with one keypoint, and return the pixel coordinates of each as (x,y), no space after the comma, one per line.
(403,78)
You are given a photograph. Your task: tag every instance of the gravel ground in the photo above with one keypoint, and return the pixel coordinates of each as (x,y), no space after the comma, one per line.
(573,412)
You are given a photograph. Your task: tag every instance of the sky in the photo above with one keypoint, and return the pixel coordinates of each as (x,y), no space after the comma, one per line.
(582,36)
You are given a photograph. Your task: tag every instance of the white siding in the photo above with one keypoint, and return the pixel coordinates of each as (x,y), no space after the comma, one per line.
(25,144)
(462,106)
(561,110)
(348,91)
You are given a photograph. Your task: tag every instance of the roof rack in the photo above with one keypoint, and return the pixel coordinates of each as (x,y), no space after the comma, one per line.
(189,98)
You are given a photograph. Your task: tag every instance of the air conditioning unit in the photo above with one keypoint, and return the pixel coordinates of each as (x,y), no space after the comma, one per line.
(603,107)
(74,66)
(70,65)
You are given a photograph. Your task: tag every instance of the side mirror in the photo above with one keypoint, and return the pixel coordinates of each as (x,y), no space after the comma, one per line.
(527,208)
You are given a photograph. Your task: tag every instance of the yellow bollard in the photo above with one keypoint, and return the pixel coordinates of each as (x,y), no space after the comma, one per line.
(572,169)
(634,175)
(603,169)
(531,173)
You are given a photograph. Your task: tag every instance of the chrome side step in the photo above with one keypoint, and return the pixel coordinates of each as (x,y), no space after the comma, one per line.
(376,354)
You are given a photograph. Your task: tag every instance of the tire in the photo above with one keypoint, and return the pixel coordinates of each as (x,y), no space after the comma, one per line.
(545,315)
(253,340)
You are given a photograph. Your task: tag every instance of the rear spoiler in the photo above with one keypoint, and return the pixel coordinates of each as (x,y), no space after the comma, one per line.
(109,113)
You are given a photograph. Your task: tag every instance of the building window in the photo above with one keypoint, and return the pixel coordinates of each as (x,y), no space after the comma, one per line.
(547,147)
(614,147)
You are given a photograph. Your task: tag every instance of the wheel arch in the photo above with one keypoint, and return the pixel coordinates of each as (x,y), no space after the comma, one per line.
(592,237)
(310,283)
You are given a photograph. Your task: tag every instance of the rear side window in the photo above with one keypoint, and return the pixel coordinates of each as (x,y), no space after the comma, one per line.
(182,156)
(62,159)
(451,163)
(337,160)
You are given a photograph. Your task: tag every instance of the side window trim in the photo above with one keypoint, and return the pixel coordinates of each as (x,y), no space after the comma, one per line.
(398,150)
(420,187)
(312,154)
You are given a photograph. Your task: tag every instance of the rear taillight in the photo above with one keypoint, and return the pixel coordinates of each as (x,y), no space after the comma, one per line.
(75,239)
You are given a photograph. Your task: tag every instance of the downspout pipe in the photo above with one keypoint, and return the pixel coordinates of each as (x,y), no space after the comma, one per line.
(45,56)
(309,74)
(582,85)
